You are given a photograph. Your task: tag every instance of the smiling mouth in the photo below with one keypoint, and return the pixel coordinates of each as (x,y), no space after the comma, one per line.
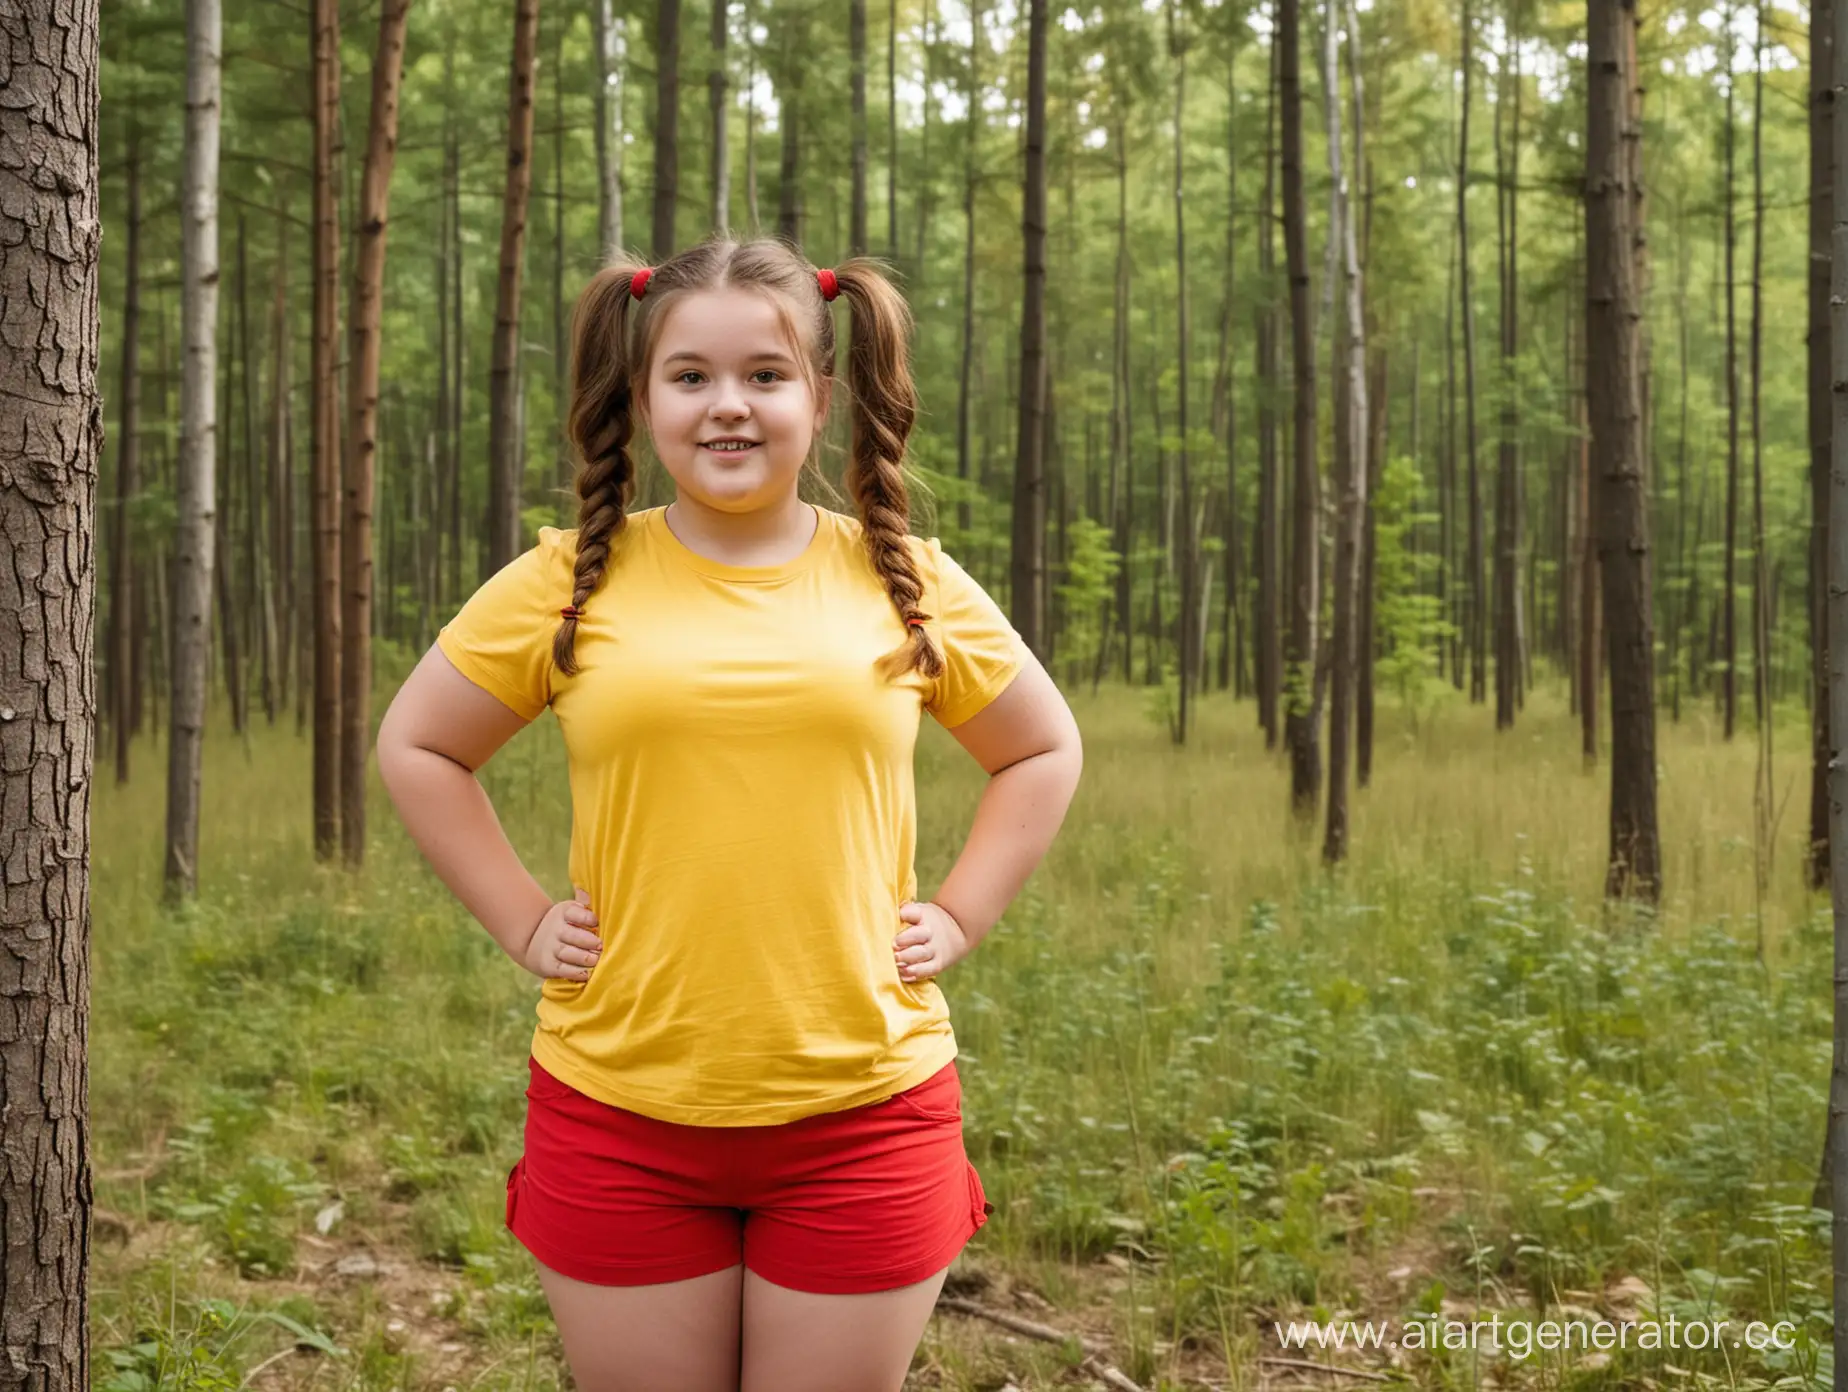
(729,446)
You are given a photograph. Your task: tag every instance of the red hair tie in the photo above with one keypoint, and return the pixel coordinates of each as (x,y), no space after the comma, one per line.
(638,283)
(571,611)
(920,619)
(830,286)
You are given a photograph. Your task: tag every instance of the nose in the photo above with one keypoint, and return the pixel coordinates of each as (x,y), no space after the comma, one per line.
(728,403)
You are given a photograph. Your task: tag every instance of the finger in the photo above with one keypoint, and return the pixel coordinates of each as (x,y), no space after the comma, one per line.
(922,971)
(913,955)
(910,937)
(582,895)
(588,942)
(583,917)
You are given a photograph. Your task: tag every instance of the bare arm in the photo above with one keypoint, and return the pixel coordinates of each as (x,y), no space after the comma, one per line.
(1028,742)
(440,728)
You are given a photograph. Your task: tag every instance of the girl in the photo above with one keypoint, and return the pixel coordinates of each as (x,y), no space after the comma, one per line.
(744,1164)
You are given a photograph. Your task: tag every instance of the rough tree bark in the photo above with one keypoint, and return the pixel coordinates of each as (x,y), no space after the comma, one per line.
(1613,322)
(50,225)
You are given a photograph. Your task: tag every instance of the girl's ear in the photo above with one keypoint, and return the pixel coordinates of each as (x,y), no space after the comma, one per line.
(824,397)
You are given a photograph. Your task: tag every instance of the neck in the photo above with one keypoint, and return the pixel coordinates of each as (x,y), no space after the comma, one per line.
(779,530)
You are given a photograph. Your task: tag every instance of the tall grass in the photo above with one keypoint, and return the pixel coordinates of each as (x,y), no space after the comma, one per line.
(1207,1083)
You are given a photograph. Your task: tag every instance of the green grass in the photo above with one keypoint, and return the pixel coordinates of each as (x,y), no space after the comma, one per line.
(1207,1085)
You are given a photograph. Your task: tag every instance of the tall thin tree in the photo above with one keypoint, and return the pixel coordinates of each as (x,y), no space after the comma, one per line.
(1350,437)
(324,408)
(1613,330)
(190,588)
(609,42)
(506,447)
(362,426)
(1029,522)
(1302,689)
(1821,194)
(667,125)
(718,84)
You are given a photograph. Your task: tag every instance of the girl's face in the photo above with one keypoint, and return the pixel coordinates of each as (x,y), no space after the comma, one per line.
(726,404)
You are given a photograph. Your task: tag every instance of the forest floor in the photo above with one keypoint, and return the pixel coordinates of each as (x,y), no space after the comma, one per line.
(1209,1087)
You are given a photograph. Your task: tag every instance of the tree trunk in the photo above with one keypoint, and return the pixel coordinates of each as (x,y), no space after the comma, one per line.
(1232,671)
(50,221)
(1729,676)
(1029,522)
(1613,329)
(1836,592)
(856,43)
(1351,437)
(1303,719)
(1821,193)
(1183,361)
(608,43)
(282,472)
(1475,622)
(750,119)
(964,514)
(1508,457)
(926,194)
(792,42)
(667,123)
(1761,582)
(363,425)
(506,442)
(124,594)
(721,144)
(1269,521)
(196,486)
(325,419)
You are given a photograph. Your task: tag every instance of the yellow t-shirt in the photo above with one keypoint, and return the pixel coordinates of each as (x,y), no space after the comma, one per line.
(743,812)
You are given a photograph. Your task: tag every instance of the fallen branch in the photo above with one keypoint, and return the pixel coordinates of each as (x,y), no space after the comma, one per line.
(1091,1363)
(1323,1368)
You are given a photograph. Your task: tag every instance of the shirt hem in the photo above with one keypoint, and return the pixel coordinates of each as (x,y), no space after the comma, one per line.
(976,701)
(566,1068)
(478,672)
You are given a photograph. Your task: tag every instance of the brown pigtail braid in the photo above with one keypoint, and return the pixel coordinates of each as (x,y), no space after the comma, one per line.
(885,405)
(601,427)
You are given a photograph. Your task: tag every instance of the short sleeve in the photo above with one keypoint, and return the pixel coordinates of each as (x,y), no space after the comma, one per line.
(502,638)
(982,652)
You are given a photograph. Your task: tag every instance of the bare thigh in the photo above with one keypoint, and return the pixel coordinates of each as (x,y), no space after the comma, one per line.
(832,1343)
(681,1336)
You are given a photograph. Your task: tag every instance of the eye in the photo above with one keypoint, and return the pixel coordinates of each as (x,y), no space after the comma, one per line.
(769,373)
(682,377)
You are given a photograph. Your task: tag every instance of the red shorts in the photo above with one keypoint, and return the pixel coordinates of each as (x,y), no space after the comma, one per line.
(861,1200)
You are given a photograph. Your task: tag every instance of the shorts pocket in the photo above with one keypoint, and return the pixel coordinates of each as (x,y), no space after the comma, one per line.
(938,1099)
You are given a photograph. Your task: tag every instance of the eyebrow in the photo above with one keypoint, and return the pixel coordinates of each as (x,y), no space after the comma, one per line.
(689,356)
